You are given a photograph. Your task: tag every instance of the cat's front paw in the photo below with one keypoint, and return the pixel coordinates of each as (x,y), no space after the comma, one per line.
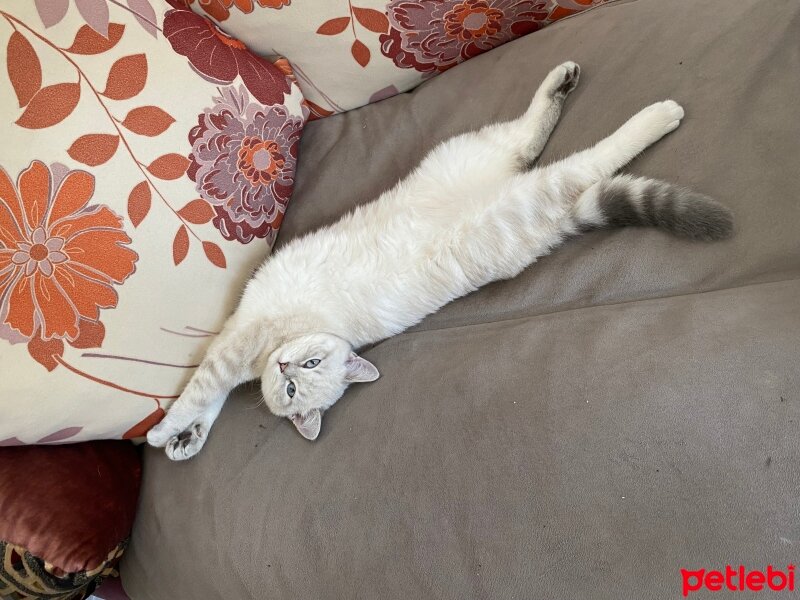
(563,79)
(187,443)
(159,434)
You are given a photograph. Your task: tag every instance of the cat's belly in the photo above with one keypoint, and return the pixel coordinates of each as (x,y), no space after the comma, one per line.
(388,305)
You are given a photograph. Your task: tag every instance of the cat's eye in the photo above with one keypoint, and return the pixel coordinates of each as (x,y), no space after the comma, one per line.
(290,389)
(310,364)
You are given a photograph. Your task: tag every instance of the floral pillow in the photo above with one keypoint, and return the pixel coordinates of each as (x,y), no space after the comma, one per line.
(350,53)
(147,162)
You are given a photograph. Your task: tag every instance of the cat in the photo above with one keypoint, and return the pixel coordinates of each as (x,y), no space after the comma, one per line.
(473,212)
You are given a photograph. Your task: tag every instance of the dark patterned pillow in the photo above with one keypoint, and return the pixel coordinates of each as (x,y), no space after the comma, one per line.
(24,576)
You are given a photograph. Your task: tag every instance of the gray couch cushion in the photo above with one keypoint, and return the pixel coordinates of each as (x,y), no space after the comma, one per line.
(626,408)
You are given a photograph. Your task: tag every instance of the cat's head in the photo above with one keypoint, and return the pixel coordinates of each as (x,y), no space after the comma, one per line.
(307,375)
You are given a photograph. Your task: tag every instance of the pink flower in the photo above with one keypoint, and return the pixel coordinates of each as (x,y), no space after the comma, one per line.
(243,161)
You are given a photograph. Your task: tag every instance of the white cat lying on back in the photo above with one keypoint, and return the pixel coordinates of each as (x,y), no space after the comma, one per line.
(473,212)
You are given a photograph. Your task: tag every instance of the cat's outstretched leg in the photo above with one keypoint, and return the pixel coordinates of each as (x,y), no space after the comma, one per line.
(611,154)
(539,121)
(488,157)
(523,139)
(229,361)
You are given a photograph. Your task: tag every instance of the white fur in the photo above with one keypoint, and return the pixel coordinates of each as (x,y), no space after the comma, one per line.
(468,215)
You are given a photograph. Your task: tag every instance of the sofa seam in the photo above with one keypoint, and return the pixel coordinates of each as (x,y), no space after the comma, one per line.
(581,308)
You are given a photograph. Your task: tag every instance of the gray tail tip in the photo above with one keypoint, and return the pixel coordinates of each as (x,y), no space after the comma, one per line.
(702,218)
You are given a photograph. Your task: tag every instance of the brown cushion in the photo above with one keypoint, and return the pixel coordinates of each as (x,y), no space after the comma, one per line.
(69,505)
(625,408)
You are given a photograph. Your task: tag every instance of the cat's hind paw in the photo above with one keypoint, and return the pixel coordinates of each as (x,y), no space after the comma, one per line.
(661,118)
(563,79)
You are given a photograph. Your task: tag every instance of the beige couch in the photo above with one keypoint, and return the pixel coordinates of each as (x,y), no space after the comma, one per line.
(625,408)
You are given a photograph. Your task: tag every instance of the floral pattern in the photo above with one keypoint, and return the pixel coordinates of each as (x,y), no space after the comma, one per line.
(221,58)
(60,258)
(106,246)
(243,160)
(347,53)
(433,36)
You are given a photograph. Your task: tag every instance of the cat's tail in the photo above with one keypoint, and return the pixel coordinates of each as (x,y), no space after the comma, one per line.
(624,200)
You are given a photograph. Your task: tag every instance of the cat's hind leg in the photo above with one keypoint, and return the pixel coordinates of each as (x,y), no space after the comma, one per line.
(605,158)
(527,136)
(486,158)
(540,119)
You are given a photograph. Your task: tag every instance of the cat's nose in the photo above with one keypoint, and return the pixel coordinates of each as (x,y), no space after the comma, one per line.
(283,366)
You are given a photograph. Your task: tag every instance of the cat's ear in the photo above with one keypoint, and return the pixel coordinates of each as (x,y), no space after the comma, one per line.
(309,424)
(360,370)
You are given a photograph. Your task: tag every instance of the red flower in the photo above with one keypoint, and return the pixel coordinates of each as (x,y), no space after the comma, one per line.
(434,35)
(220,58)
(59,258)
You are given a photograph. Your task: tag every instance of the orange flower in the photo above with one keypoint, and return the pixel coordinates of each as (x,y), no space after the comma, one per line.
(59,258)
(472,20)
